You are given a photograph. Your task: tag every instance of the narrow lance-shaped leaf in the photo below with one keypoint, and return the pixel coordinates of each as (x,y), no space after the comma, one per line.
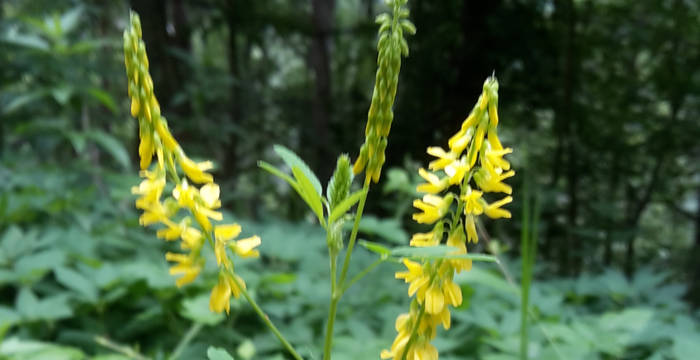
(344,206)
(308,193)
(292,160)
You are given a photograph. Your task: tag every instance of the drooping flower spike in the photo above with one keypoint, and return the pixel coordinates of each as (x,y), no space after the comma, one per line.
(200,202)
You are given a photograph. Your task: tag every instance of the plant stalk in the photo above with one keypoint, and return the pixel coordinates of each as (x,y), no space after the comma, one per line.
(335,295)
(267,321)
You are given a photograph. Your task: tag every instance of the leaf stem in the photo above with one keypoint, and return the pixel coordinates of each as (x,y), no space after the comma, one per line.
(122,349)
(186,339)
(361,275)
(267,321)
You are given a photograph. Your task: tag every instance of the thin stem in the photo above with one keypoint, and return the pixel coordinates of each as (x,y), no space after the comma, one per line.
(361,275)
(512,283)
(413,333)
(355,228)
(186,339)
(328,342)
(122,349)
(335,296)
(266,320)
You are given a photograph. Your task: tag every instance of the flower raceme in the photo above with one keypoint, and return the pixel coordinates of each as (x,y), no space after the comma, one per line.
(391,47)
(200,204)
(474,153)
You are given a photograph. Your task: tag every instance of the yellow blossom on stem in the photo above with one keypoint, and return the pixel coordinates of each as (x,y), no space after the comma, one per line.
(432,280)
(434,208)
(187,266)
(494,210)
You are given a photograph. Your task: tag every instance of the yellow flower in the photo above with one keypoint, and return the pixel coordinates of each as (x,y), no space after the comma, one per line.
(150,189)
(434,208)
(424,239)
(444,158)
(470,226)
(459,141)
(415,276)
(423,350)
(186,265)
(222,234)
(490,181)
(494,210)
(220,296)
(227,285)
(245,248)
(434,299)
(495,158)
(146,150)
(456,170)
(434,184)
(185,194)
(471,198)
(456,240)
(210,195)
(196,171)
(452,292)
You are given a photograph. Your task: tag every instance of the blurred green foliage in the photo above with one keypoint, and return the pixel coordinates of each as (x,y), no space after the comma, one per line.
(600,101)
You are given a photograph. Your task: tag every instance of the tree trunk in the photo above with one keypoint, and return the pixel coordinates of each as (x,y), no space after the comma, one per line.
(571,243)
(235,113)
(693,269)
(322,21)
(610,222)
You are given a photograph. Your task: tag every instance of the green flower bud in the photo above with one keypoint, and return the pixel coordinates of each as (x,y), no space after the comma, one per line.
(339,185)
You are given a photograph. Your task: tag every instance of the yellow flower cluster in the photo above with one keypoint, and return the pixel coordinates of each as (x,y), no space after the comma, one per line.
(475,153)
(200,202)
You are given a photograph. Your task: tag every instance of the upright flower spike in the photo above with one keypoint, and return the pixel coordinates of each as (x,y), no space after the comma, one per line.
(200,202)
(391,46)
(474,153)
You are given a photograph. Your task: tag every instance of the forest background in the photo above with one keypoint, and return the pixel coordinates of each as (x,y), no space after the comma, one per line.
(599,99)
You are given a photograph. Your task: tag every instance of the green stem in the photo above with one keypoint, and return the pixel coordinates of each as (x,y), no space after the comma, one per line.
(266,320)
(328,342)
(361,275)
(335,295)
(355,228)
(186,339)
(122,349)
(413,333)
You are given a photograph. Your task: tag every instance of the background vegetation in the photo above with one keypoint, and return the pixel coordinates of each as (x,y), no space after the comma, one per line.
(599,99)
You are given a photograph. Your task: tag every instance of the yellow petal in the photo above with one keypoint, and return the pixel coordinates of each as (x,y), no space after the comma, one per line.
(245,247)
(220,295)
(227,232)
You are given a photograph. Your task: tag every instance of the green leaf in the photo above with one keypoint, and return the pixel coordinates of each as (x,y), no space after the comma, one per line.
(292,160)
(437,252)
(376,248)
(215,353)
(32,42)
(274,171)
(21,100)
(345,205)
(197,310)
(77,282)
(312,198)
(104,98)
(62,93)
(113,146)
(69,20)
